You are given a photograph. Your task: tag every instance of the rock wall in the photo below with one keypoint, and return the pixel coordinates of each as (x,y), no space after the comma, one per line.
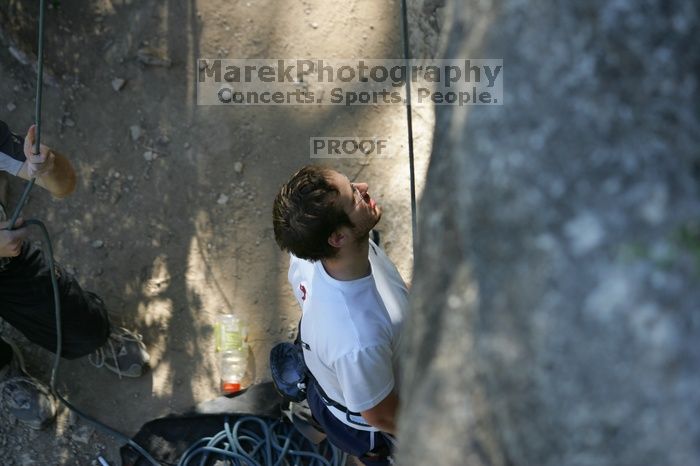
(554,317)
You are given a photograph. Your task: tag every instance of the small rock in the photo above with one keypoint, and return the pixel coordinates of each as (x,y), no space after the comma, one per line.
(69,123)
(238,167)
(11,107)
(118,83)
(314,25)
(187,145)
(163,140)
(222,200)
(149,155)
(98,243)
(136,132)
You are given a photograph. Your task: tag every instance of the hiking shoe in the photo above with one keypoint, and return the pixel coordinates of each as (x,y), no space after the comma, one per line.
(124,354)
(26,398)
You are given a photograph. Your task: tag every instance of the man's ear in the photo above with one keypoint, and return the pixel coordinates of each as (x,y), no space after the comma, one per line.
(337,239)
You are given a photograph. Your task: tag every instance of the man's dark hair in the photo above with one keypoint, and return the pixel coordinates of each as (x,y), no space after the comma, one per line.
(306,212)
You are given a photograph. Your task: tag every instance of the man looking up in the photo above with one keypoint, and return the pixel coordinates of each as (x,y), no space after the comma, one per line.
(353,302)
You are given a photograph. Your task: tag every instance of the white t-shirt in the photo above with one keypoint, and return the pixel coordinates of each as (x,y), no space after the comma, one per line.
(353,330)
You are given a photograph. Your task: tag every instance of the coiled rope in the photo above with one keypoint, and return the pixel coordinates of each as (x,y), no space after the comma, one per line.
(253,441)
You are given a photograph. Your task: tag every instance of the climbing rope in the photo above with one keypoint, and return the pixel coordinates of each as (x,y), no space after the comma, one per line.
(409,124)
(253,441)
(37,111)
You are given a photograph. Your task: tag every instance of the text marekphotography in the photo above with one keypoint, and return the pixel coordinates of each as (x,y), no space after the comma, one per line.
(275,81)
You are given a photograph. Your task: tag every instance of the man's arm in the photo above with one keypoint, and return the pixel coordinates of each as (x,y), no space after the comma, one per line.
(60,180)
(383,416)
(365,376)
(52,170)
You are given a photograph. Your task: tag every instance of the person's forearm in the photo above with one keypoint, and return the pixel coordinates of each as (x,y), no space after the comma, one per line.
(384,415)
(60,181)
(385,425)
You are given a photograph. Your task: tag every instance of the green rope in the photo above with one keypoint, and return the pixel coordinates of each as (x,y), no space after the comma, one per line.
(37,111)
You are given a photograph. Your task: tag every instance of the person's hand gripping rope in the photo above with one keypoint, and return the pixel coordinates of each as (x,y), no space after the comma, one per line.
(41,163)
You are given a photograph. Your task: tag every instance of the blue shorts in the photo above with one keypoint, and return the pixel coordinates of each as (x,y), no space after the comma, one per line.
(372,448)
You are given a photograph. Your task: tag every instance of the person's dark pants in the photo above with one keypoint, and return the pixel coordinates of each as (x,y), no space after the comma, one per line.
(372,448)
(26,303)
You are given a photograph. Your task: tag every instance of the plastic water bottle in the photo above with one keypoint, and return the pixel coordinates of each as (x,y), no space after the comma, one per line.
(233,352)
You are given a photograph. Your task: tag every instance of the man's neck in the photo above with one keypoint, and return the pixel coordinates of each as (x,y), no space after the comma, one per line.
(351,262)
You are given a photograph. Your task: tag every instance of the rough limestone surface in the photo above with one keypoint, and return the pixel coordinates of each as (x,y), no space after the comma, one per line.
(426,20)
(554,317)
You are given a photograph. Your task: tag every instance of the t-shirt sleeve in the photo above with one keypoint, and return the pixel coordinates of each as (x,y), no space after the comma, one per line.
(11,150)
(294,278)
(365,376)
(10,164)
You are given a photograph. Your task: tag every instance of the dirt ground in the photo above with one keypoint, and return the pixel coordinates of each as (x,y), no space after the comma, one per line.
(173,241)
